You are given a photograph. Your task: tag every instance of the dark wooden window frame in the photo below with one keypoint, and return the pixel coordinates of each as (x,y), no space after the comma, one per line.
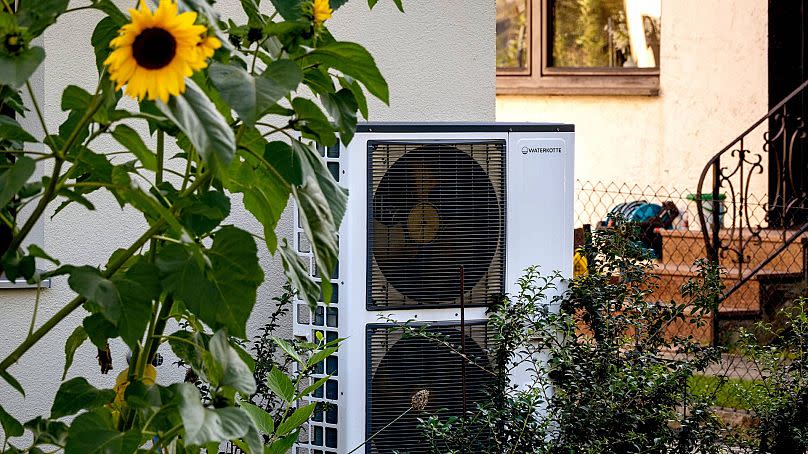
(540,79)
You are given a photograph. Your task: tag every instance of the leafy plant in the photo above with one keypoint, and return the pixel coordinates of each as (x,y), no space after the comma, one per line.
(595,361)
(240,124)
(779,399)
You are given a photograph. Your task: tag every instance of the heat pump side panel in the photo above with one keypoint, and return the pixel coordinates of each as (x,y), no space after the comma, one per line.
(539,220)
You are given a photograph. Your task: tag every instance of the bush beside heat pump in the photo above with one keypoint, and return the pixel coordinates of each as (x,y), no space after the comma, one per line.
(424,200)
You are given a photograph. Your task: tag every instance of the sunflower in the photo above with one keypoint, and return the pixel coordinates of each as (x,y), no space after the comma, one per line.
(321,11)
(156,51)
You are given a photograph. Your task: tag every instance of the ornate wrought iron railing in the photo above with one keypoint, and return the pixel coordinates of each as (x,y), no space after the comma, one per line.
(780,167)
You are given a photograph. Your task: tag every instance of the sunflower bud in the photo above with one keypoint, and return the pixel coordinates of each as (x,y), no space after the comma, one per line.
(420,400)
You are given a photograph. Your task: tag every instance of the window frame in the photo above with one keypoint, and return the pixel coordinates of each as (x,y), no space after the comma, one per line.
(541,79)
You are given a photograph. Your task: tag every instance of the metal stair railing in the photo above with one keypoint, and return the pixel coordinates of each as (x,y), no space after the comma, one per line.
(788,129)
(733,169)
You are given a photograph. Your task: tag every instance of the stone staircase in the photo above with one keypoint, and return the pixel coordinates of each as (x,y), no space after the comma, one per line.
(755,300)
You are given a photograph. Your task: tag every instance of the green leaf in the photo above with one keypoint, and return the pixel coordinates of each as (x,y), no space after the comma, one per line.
(36,251)
(15,70)
(106,30)
(77,394)
(203,425)
(109,7)
(283,158)
(352,60)
(291,10)
(342,107)
(75,98)
(37,15)
(99,329)
(288,348)
(319,80)
(205,212)
(72,344)
(47,432)
(5,375)
(336,195)
(94,432)
(235,373)
(399,5)
(298,273)
(224,296)
(130,139)
(281,385)
(359,94)
(187,352)
(321,202)
(321,355)
(295,420)
(309,389)
(263,420)
(283,445)
(13,179)
(251,96)
(11,427)
(11,130)
(283,76)
(312,122)
(265,195)
(125,300)
(205,127)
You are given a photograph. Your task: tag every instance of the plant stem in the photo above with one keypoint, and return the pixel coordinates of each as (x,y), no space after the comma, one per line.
(39,114)
(381,430)
(76,302)
(158,178)
(36,309)
(157,329)
(51,190)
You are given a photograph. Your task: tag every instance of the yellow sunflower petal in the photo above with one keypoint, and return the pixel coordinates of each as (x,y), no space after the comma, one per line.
(150,70)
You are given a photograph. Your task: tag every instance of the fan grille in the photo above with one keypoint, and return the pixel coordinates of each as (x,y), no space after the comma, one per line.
(434,207)
(400,366)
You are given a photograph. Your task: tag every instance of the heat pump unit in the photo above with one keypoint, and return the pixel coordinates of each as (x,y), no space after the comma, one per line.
(439,215)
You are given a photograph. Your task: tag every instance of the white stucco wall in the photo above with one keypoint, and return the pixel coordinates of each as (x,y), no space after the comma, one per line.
(713,85)
(438,60)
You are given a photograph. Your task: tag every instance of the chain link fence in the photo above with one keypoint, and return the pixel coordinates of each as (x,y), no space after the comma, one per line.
(671,232)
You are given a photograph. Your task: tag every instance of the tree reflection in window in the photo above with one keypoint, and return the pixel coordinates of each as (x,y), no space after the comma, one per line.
(512,34)
(604,33)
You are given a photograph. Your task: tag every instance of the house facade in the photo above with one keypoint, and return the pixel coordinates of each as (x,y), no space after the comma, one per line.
(653,125)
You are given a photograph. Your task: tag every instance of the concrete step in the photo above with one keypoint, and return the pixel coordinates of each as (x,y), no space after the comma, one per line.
(683,247)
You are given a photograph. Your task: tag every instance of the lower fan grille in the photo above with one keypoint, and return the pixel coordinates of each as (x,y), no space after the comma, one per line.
(405,369)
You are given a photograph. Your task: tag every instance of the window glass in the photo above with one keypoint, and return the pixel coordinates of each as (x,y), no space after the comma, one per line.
(512,34)
(604,33)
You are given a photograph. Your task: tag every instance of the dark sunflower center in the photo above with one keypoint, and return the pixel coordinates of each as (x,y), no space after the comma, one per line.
(154,48)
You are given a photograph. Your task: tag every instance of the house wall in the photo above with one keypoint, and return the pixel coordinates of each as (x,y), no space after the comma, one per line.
(713,85)
(437,59)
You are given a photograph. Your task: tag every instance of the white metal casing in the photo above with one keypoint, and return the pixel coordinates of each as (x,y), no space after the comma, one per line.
(539,231)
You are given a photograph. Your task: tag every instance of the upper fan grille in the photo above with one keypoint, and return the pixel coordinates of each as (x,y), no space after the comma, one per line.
(434,207)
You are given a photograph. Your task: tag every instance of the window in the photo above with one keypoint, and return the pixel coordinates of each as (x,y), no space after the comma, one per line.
(578,46)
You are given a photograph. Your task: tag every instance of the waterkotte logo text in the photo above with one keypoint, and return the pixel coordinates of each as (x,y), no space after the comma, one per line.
(526,150)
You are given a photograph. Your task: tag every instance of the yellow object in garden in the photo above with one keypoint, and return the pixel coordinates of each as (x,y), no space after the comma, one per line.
(149,376)
(156,51)
(322,11)
(579,265)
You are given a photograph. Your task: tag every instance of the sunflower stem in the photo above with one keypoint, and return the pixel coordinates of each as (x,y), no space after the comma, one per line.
(161,137)
(52,189)
(75,303)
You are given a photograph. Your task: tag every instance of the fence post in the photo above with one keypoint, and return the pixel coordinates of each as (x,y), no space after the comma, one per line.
(716,240)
